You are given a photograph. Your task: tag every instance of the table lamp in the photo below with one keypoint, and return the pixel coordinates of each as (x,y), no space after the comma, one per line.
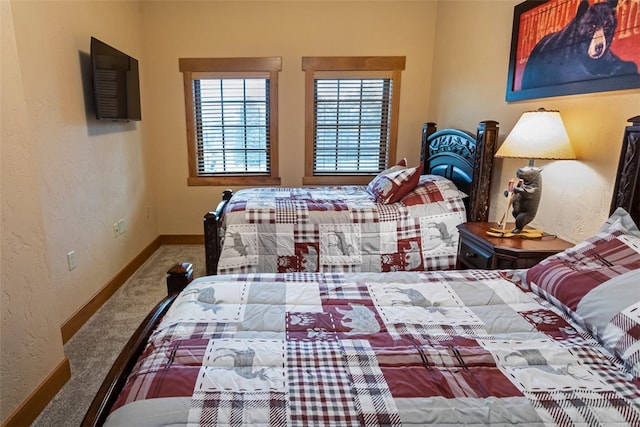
(538,134)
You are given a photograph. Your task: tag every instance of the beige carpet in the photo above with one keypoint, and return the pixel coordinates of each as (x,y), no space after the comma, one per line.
(95,347)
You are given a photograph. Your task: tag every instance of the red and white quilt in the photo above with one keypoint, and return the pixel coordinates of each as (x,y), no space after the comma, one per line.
(341,229)
(404,348)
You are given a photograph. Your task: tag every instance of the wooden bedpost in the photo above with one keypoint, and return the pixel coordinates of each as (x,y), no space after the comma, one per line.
(627,186)
(428,129)
(482,171)
(178,277)
(212,236)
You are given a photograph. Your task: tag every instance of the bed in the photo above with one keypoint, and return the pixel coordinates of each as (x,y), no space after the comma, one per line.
(405,219)
(555,344)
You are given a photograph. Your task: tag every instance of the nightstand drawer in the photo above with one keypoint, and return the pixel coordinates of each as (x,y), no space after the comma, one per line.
(473,256)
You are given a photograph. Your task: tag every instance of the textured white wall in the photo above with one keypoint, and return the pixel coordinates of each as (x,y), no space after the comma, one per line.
(31,345)
(92,173)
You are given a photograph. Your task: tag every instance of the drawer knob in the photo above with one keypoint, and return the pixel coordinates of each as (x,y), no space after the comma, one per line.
(470,255)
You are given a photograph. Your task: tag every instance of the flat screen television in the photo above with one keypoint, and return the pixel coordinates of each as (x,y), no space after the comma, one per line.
(116,83)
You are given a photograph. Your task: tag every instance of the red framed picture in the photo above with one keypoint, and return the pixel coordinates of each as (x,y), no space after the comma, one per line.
(564,47)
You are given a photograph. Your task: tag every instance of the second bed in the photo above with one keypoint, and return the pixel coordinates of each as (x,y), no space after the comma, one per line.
(404,220)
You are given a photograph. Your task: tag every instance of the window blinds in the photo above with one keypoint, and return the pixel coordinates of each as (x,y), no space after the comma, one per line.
(232,125)
(352,125)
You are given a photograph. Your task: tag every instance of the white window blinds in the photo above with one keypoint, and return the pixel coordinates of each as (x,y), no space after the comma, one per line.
(352,123)
(232,125)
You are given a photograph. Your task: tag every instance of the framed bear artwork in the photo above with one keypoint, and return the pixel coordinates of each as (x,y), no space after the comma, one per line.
(566,47)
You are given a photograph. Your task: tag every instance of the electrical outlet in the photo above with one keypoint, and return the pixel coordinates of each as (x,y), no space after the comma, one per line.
(71,260)
(122,227)
(116,229)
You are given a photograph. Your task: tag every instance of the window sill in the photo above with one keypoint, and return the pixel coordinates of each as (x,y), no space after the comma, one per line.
(233,180)
(337,180)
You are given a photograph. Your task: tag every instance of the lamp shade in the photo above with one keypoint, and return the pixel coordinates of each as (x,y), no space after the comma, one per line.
(538,134)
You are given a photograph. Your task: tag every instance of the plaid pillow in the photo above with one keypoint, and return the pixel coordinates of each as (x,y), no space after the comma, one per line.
(393,183)
(432,188)
(597,283)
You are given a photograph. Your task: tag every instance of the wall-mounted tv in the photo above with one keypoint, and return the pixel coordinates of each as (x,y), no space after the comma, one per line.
(116,83)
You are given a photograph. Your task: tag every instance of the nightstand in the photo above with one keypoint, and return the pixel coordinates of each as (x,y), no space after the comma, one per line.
(478,250)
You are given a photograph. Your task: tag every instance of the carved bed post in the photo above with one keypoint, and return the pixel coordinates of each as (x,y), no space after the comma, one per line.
(212,236)
(627,186)
(428,129)
(211,242)
(482,171)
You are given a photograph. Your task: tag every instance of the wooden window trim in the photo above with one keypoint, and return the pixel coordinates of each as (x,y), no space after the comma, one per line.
(350,65)
(195,68)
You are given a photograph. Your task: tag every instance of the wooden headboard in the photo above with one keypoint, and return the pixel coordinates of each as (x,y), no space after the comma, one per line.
(465,159)
(626,192)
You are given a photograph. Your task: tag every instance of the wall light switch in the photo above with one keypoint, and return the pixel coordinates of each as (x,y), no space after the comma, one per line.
(71,260)
(122,227)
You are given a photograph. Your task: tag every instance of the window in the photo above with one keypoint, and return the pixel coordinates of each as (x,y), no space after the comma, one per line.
(231,108)
(351,110)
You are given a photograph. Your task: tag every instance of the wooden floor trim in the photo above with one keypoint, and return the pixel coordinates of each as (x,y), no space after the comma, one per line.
(84,313)
(29,410)
(181,239)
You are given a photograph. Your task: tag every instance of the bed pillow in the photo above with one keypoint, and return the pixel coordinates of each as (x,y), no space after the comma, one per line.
(432,188)
(402,164)
(597,283)
(391,184)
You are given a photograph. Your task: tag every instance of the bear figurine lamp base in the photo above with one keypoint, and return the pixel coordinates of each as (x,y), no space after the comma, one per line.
(538,134)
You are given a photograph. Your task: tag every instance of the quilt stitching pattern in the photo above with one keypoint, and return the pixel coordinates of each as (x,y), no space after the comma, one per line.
(336,229)
(372,352)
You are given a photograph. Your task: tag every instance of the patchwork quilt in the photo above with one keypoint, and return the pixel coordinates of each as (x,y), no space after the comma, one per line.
(403,348)
(341,229)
